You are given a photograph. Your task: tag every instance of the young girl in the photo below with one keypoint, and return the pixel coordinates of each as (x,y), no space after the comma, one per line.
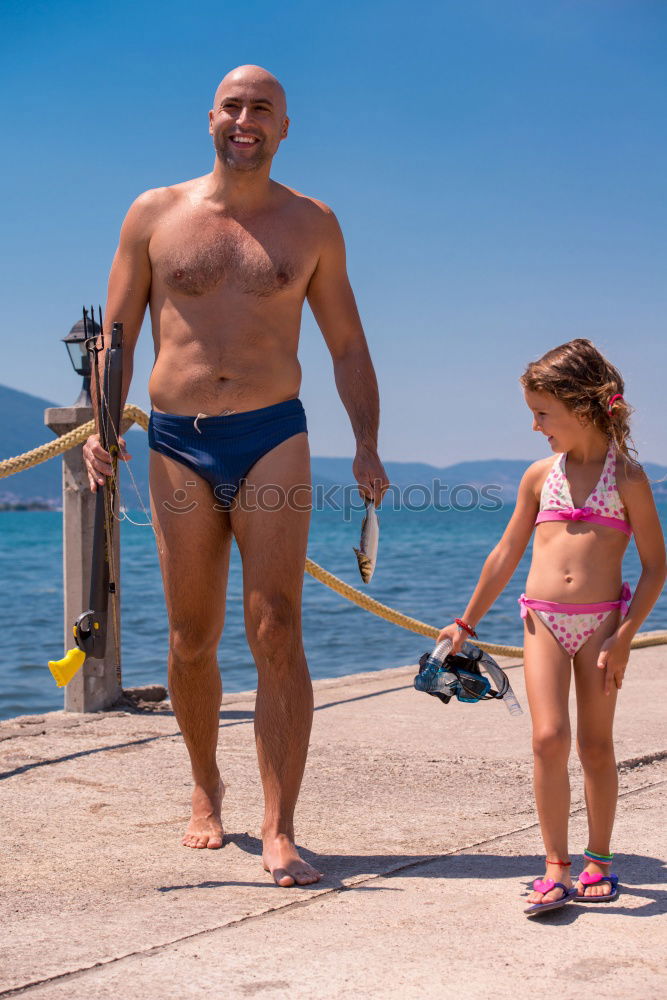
(586,503)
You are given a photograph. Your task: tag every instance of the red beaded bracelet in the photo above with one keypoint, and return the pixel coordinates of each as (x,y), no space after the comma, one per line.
(466,628)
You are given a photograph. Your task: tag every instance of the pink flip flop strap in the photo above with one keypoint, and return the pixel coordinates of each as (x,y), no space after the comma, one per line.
(590,878)
(543,884)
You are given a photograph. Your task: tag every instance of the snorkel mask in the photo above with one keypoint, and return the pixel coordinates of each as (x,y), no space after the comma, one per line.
(459,675)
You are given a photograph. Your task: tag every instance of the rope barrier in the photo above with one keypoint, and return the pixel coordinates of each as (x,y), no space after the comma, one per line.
(393,616)
(10,466)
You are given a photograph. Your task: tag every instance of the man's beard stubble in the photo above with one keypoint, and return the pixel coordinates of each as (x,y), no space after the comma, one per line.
(226,155)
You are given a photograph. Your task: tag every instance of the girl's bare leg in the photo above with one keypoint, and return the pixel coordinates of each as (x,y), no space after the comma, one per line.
(547,671)
(595,719)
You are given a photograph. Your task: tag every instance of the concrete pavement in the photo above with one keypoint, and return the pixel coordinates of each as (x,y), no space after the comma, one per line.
(420,814)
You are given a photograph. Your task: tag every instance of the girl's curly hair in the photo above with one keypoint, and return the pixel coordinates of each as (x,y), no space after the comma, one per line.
(579,376)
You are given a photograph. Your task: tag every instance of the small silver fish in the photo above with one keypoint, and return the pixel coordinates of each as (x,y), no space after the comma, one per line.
(368,546)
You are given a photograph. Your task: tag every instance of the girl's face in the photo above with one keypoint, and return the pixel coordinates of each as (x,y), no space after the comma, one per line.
(560,425)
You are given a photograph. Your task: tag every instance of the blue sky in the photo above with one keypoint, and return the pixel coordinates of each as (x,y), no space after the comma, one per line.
(497,167)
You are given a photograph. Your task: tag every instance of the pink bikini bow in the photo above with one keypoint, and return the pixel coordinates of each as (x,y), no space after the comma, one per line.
(626,597)
(577,513)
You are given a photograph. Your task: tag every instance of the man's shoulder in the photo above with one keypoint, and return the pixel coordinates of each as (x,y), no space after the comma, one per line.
(158,199)
(312,208)
(150,207)
(146,209)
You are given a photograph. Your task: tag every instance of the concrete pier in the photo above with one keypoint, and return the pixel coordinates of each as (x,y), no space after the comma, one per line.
(420,814)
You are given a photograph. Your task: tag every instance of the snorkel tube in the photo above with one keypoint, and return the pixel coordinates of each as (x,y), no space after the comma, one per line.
(90,628)
(497,674)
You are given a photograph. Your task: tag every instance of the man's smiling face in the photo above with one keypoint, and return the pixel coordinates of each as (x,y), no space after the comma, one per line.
(248,119)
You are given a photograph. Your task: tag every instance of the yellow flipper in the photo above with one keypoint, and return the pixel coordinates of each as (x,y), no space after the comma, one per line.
(64,670)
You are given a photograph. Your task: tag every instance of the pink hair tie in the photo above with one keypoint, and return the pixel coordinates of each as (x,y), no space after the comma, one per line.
(613,400)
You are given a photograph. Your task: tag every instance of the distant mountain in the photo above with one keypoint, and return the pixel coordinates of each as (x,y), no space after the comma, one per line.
(22,428)
(502,474)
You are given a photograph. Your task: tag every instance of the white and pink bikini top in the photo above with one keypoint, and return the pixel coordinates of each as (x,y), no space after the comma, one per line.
(603,506)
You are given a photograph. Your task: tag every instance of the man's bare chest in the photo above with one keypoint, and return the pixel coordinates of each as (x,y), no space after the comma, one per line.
(196,256)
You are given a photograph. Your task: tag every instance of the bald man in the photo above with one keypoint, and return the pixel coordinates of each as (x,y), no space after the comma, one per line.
(225,262)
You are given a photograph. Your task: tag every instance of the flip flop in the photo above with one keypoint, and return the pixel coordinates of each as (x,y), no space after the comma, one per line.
(546,885)
(587,878)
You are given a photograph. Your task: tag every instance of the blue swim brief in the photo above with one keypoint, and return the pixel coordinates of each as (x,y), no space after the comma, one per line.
(222,450)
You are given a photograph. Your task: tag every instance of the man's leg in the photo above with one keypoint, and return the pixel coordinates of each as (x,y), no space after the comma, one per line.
(194,542)
(273,549)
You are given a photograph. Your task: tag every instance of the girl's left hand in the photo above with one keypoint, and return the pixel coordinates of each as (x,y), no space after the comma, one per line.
(613,659)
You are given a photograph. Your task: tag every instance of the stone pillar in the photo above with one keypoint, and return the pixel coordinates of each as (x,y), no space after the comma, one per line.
(95,686)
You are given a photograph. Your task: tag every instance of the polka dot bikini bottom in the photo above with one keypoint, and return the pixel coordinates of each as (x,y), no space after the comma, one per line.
(574,624)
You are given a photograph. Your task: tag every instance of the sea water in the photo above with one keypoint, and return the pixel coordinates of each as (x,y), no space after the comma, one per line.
(428,562)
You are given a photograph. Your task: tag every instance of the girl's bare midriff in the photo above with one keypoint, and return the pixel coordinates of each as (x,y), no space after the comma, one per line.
(576,563)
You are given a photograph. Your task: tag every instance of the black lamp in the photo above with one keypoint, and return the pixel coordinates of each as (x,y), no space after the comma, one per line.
(75,341)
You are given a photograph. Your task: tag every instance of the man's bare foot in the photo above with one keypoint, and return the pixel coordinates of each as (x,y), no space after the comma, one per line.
(282,860)
(205,826)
